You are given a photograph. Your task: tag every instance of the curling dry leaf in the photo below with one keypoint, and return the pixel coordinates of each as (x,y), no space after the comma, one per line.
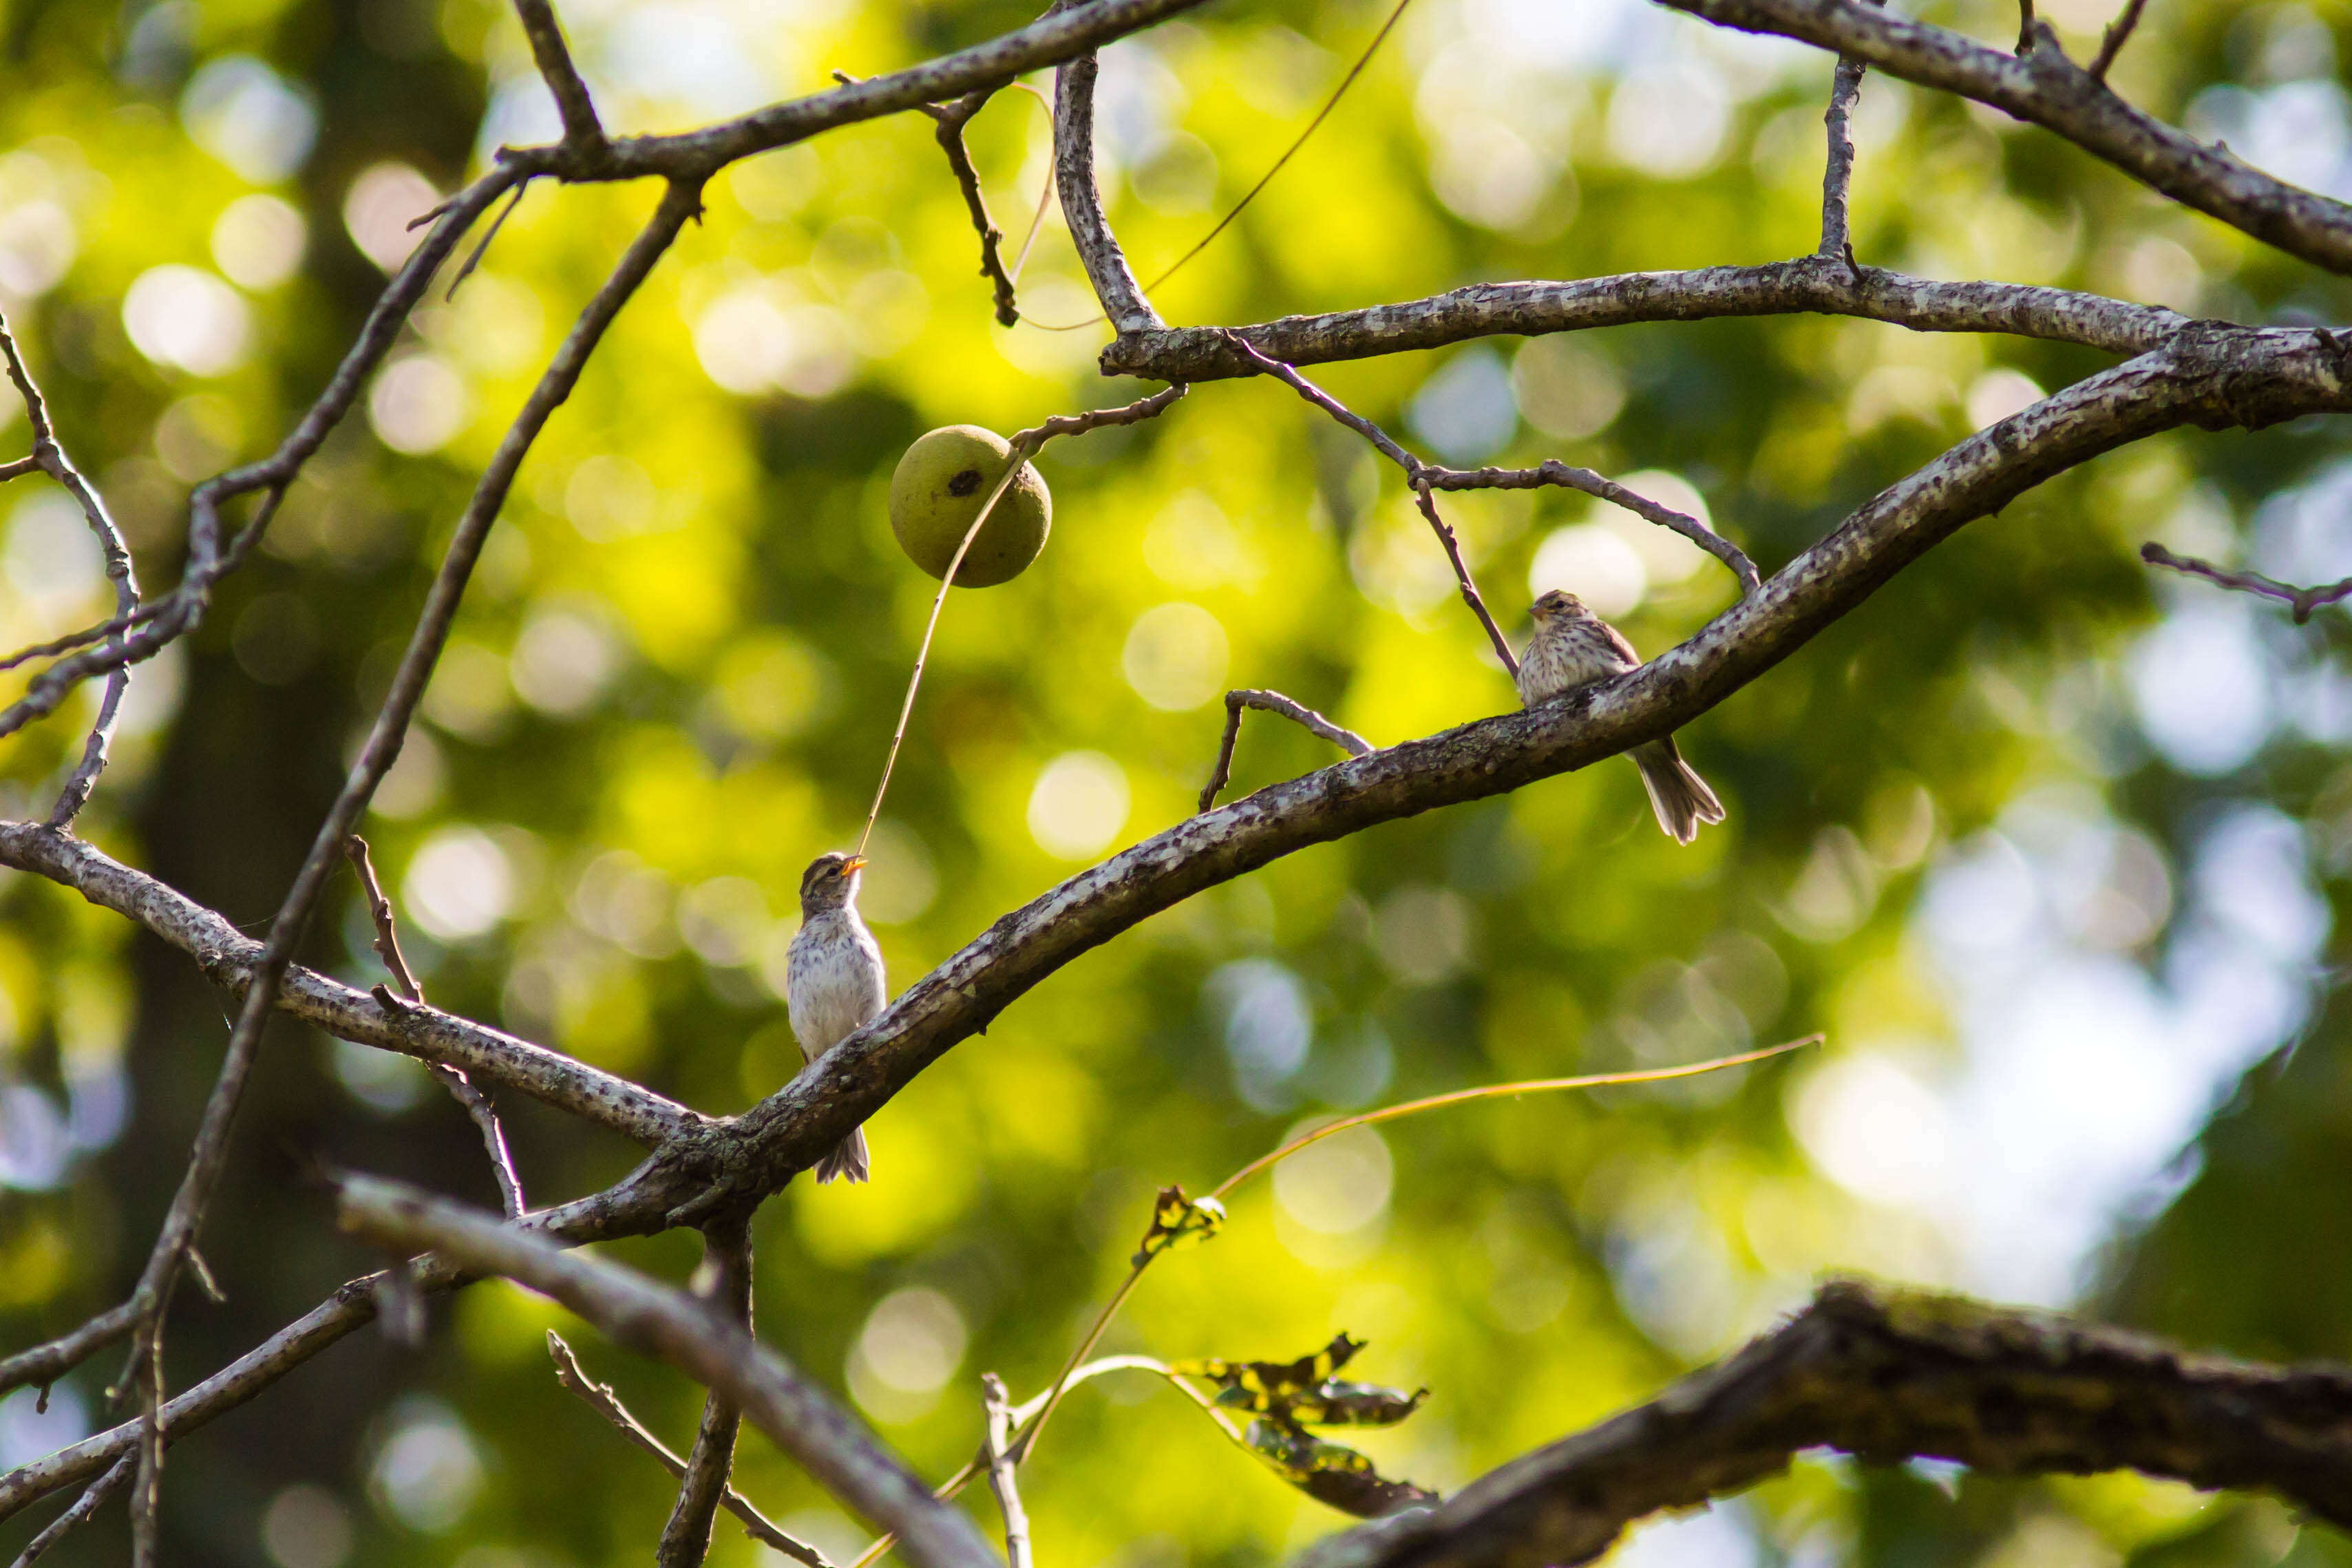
(1178,1221)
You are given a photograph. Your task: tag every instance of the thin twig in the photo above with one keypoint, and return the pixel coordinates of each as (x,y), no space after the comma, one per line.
(581,128)
(809,1423)
(93,1496)
(376,755)
(998,1404)
(2117,35)
(49,456)
(2301,602)
(1348,741)
(1568,476)
(2024,26)
(17,467)
(473,256)
(477,1106)
(605,1403)
(686,1537)
(1415,472)
(1837,176)
(951,119)
(1024,444)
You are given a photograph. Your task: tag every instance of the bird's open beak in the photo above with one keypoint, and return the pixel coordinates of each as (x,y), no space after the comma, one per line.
(854,863)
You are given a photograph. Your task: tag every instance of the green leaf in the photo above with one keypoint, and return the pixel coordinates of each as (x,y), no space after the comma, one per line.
(1331,1473)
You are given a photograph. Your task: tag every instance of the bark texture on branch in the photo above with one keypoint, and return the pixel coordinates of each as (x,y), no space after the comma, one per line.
(1810,284)
(1890,1375)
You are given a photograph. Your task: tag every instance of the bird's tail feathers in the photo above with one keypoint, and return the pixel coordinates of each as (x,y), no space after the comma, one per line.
(847,1162)
(1678,794)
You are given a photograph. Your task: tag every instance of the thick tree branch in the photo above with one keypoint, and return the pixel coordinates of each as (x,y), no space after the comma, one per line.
(799,1416)
(1074,176)
(2041,86)
(1887,1376)
(2209,375)
(553,57)
(227,956)
(1808,285)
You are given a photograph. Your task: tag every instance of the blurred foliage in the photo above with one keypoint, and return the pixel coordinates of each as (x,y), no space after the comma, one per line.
(678,670)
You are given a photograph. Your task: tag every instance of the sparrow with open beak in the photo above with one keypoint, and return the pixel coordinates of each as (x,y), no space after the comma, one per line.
(1573,647)
(833,983)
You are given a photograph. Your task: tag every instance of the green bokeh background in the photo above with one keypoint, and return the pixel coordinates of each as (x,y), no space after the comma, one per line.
(675,676)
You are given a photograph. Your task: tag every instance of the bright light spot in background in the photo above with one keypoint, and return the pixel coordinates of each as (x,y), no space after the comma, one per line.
(1997,394)
(418,405)
(1192,544)
(900,881)
(35,1146)
(1423,933)
(307,1526)
(1668,120)
(627,903)
(1175,658)
(1268,1025)
(38,243)
(427,1472)
(182,316)
(27,1434)
(1875,1129)
(2201,686)
(1485,173)
(562,661)
(458,885)
(379,207)
(1719,1537)
(1079,805)
(912,1344)
(257,241)
(693,57)
(2081,1078)
(611,497)
(1466,411)
(750,343)
(1566,389)
(1591,562)
(385,1081)
(1338,1186)
(414,785)
(246,115)
(51,558)
(724,919)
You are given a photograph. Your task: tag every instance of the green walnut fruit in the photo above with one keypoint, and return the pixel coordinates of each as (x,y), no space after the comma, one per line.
(939,486)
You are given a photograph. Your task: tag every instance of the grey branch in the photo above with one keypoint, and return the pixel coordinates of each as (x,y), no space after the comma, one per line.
(211,554)
(92,1499)
(2043,86)
(605,1403)
(472,1100)
(1808,285)
(1555,472)
(1299,713)
(950,119)
(2212,376)
(553,57)
(228,957)
(997,1405)
(2301,601)
(1074,176)
(1837,175)
(2117,35)
(1891,1375)
(49,456)
(644,1315)
(633,1207)
(686,1537)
